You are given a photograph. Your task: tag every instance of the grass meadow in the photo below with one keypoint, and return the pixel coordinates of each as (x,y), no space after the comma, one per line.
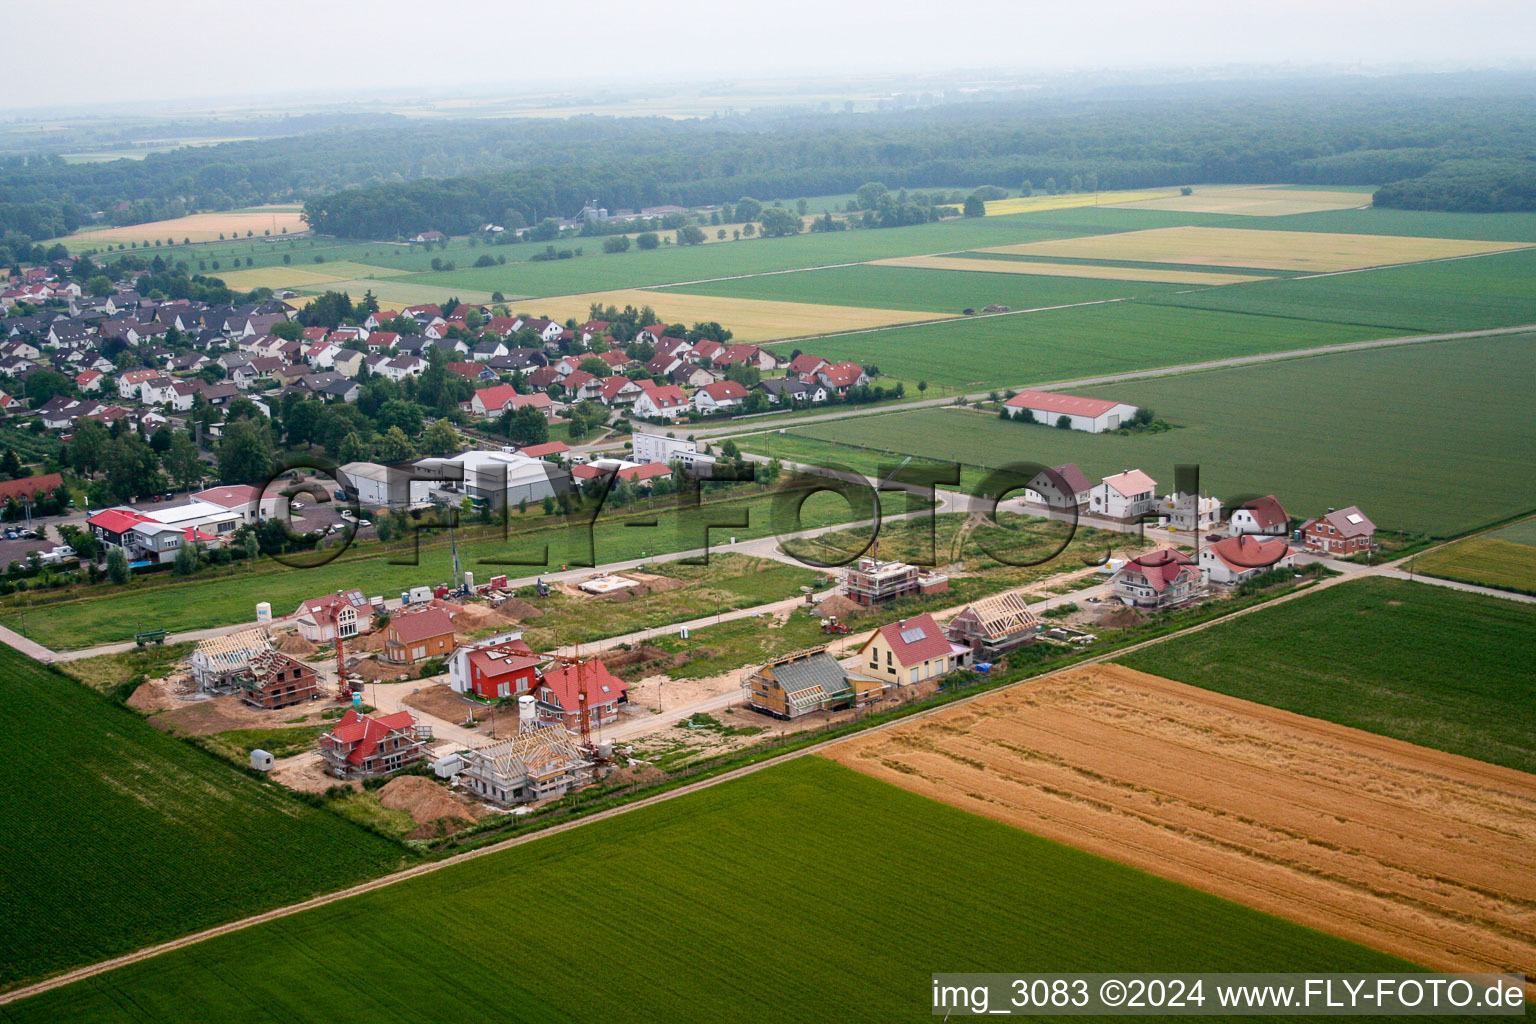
(765,899)
(534,546)
(118,836)
(1358,441)
(1417,662)
(1504,558)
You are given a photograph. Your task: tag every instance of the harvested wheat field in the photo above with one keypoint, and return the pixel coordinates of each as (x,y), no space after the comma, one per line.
(1068,200)
(1266,250)
(1068,270)
(198,227)
(750,320)
(1425,855)
(1255,201)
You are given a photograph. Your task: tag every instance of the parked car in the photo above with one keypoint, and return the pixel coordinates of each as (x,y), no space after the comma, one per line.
(364,522)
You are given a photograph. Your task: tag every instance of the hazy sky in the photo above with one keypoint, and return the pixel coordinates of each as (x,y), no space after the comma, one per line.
(175,49)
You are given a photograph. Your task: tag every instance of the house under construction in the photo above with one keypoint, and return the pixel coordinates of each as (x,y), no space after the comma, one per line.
(873,582)
(993,626)
(219,663)
(806,681)
(274,680)
(540,763)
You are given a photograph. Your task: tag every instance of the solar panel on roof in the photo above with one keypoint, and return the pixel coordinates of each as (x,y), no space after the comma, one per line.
(911,636)
(1354,519)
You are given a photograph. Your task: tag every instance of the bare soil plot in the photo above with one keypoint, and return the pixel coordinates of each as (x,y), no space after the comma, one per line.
(750,320)
(404,293)
(315,276)
(199,227)
(1425,855)
(1265,250)
(1255,201)
(1067,270)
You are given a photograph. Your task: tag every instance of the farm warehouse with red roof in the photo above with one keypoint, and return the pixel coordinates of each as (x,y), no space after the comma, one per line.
(1094,415)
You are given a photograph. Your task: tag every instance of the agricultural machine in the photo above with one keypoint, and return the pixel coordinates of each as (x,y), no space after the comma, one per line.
(831,626)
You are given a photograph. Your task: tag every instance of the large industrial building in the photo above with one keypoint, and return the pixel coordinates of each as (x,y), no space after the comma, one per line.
(498,478)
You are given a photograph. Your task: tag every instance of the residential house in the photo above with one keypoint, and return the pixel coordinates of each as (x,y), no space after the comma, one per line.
(1339,533)
(1125,496)
(1192,513)
(910,651)
(362,745)
(661,402)
(345,613)
(497,669)
(254,506)
(839,377)
(537,763)
(412,638)
(1060,487)
(1233,560)
(564,692)
(1264,517)
(721,396)
(1159,579)
(274,680)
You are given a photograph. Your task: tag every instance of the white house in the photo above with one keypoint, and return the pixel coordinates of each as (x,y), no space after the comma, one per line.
(1190,512)
(1124,496)
(1062,487)
(1232,560)
(1263,517)
(1093,415)
(719,396)
(253,506)
(665,401)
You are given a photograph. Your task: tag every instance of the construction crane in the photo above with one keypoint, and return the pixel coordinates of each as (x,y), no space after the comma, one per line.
(582,693)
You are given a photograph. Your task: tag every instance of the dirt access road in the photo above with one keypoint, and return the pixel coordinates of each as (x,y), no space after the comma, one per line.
(1422,854)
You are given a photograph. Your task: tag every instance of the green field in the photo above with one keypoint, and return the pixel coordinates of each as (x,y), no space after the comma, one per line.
(114,615)
(1451,295)
(1416,662)
(1066,344)
(922,290)
(118,836)
(1504,558)
(1322,431)
(770,898)
(1504,227)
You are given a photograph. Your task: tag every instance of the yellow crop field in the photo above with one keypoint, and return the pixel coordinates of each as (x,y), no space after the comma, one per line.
(1255,201)
(199,227)
(1266,250)
(1067,200)
(397,293)
(310,276)
(1067,270)
(750,320)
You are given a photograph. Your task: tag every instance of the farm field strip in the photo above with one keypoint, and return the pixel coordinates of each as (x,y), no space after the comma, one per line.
(318,274)
(1421,854)
(705,850)
(1504,558)
(1393,461)
(1254,201)
(1244,247)
(1073,200)
(1065,270)
(200,227)
(390,290)
(750,320)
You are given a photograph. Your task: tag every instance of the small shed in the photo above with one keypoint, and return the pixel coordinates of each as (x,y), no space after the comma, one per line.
(262,761)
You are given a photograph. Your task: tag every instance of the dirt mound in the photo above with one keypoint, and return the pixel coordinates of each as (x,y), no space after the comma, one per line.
(515,609)
(423,799)
(838,605)
(1119,616)
(642,655)
(475,616)
(297,646)
(372,642)
(374,671)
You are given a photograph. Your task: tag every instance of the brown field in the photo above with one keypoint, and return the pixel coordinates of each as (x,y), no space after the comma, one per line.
(750,320)
(200,227)
(1255,201)
(1066,270)
(1266,250)
(402,293)
(1069,200)
(1425,855)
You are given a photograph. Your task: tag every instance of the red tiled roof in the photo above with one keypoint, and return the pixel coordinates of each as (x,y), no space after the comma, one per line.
(414,627)
(29,485)
(117,520)
(603,687)
(723,389)
(1131,482)
(1050,401)
(1160,567)
(915,640)
(538,451)
(1267,512)
(367,733)
(806,363)
(497,396)
(1245,552)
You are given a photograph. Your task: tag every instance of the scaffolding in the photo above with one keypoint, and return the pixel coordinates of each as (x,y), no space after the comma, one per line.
(873,582)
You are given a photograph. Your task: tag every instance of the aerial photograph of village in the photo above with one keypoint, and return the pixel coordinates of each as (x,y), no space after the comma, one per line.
(831,513)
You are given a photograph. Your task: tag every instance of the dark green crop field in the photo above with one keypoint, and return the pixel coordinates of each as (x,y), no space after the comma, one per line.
(1413,661)
(117,836)
(1352,428)
(768,898)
